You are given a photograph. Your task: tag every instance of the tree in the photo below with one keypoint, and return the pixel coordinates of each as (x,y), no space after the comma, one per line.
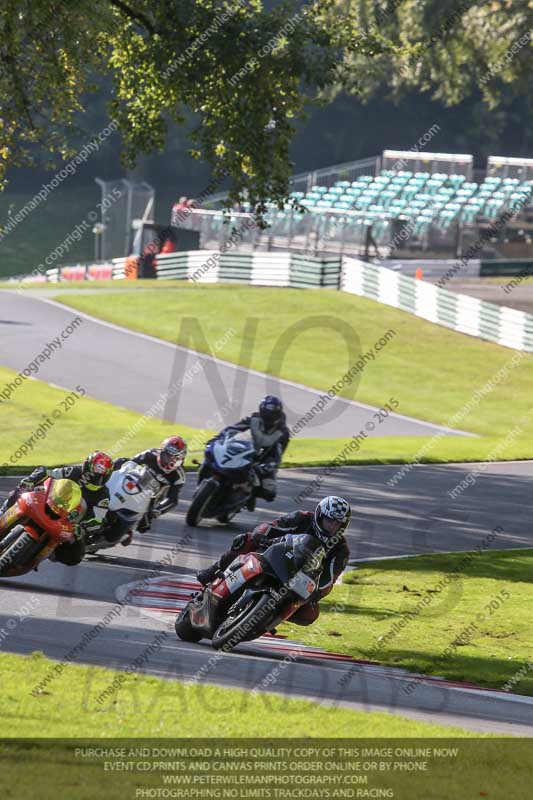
(247,72)
(455,48)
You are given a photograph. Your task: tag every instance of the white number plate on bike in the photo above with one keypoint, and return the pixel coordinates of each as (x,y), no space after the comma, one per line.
(302,585)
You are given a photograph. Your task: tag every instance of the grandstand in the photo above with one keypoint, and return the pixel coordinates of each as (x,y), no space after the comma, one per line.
(408,203)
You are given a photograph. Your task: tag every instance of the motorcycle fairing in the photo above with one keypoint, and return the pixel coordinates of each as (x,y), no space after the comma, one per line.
(243,569)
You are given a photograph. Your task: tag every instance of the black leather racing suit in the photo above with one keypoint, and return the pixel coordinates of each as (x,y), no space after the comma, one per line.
(267,533)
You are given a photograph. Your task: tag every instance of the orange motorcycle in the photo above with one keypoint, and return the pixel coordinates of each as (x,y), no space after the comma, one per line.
(36,524)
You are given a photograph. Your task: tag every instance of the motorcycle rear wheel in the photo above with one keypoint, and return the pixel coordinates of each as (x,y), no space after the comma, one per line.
(260,611)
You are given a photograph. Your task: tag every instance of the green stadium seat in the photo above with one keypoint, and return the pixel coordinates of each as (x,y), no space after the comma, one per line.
(468,214)
(432,186)
(318,190)
(363,202)
(446,218)
(456,180)
(410,192)
(387,197)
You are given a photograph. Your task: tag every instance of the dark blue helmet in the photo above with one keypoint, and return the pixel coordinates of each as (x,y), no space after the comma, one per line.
(270,411)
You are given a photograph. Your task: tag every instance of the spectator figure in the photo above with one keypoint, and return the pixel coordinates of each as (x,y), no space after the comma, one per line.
(168,241)
(181,204)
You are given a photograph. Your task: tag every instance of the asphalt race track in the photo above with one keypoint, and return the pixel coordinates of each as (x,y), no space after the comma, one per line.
(133,370)
(416,516)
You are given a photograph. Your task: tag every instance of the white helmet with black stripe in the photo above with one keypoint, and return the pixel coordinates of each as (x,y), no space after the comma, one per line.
(332,517)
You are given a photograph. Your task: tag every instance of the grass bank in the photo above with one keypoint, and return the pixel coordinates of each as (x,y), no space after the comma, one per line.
(461,616)
(146,706)
(315,337)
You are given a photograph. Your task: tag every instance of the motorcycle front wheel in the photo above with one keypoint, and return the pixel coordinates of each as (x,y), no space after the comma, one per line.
(199,503)
(184,629)
(18,550)
(248,623)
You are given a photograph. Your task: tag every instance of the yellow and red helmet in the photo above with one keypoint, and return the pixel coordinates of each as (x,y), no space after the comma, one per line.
(64,497)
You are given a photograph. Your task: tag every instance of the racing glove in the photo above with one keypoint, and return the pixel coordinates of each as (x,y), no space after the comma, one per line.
(78,533)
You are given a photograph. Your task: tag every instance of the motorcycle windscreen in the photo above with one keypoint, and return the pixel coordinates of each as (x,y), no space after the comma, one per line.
(284,558)
(234,454)
(308,552)
(64,497)
(293,553)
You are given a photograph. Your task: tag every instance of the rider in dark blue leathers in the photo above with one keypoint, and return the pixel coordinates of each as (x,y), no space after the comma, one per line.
(270,436)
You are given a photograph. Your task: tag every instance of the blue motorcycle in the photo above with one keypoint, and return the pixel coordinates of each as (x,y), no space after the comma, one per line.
(226,480)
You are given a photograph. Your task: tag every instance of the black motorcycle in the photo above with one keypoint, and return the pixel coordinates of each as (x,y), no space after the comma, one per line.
(256,592)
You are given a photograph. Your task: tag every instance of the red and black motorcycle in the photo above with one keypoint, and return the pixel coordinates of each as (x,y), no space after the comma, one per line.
(40,521)
(256,593)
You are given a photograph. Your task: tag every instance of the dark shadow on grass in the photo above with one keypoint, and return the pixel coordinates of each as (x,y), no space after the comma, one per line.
(498,565)
(483,671)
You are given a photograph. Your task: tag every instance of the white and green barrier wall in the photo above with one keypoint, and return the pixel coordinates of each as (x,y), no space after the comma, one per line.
(460,312)
(500,324)
(256,268)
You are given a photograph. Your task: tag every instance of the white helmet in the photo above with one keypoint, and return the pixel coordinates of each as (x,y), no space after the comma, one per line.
(332,517)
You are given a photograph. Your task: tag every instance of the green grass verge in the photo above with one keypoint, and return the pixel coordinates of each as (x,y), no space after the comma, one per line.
(431,351)
(404,450)
(91,424)
(393,612)
(146,706)
(164,711)
(432,372)
(86,425)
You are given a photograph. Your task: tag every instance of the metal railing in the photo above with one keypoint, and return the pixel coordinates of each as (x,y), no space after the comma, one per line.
(336,232)
(327,176)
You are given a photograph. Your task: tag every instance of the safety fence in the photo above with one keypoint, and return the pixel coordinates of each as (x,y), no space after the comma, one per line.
(264,269)
(500,324)
(81,272)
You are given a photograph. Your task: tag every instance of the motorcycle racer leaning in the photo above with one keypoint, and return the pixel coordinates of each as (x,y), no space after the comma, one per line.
(270,436)
(91,477)
(328,523)
(166,463)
